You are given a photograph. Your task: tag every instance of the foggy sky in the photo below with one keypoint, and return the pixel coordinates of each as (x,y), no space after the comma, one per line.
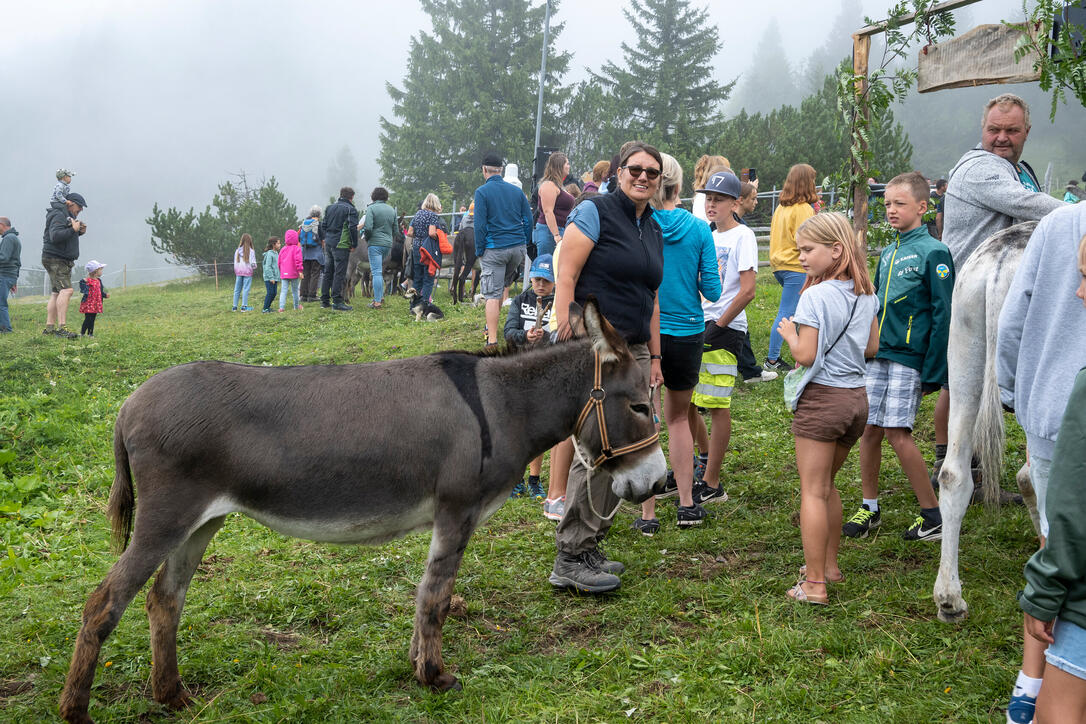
(161,101)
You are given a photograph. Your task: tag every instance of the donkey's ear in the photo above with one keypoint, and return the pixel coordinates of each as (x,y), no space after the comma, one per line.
(605,339)
(576,320)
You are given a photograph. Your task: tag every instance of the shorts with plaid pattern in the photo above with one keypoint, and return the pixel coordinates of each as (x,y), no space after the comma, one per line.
(893,394)
(715,380)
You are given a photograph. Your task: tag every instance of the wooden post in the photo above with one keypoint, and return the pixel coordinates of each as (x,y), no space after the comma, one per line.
(861,47)
(124,277)
(215,264)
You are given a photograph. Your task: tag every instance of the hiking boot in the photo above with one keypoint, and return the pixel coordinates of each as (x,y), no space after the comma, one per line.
(778,365)
(860,524)
(921,530)
(341,307)
(704,493)
(535,489)
(670,486)
(603,562)
(519,490)
(64,333)
(581,573)
(766,376)
(647,528)
(554,509)
(49,330)
(1021,708)
(690,515)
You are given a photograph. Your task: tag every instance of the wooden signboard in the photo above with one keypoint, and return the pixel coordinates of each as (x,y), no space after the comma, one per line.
(983,56)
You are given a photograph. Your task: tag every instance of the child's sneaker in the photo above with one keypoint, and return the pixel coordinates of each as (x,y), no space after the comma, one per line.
(690,515)
(647,528)
(535,489)
(670,486)
(703,493)
(280,310)
(922,530)
(298,307)
(519,490)
(778,365)
(860,524)
(1021,708)
(554,509)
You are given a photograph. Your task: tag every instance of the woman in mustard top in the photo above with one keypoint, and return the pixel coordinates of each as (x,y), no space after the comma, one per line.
(795,207)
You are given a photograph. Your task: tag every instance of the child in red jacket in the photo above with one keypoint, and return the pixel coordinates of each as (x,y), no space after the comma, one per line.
(290,268)
(93,294)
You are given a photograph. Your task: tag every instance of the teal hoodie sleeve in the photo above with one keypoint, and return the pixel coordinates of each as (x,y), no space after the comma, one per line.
(708,276)
(939,276)
(1055,574)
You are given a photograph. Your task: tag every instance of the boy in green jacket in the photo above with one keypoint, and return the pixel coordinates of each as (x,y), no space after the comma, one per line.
(914,284)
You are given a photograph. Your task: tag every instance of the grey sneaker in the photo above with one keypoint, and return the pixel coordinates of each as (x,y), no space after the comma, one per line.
(64,332)
(647,528)
(605,564)
(554,509)
(581,573)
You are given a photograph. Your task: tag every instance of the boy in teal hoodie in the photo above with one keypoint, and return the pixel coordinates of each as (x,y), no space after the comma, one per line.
(914,283)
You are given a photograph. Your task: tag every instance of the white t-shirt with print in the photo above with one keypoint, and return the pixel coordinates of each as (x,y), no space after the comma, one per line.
(736,251)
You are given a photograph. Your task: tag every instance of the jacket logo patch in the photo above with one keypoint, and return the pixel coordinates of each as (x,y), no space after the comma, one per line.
(943,271)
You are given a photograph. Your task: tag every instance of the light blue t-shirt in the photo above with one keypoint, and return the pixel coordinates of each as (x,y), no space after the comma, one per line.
(826,307)
(587,218)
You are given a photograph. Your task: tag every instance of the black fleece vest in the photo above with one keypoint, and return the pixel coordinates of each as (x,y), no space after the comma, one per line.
(625,268)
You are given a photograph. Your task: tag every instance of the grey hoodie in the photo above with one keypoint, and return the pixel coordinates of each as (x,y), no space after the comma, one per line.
(1042,328)
(985,196)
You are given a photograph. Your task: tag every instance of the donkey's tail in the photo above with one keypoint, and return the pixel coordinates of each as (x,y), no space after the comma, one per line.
(121,499)
(988,431)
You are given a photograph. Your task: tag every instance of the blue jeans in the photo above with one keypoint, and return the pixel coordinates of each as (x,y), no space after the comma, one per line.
(422,278)
(544,244)
(377,256)
(292,285)
(6,283)
(269,293)
(241,287)
(791,282)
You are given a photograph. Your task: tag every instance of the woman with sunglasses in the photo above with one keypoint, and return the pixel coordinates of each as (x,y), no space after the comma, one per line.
(612,249)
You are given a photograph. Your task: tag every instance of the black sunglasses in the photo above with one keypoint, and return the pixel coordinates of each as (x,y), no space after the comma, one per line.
(651,173)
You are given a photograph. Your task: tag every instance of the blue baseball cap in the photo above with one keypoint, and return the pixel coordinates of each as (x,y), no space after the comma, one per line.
(542,267)
(723,182)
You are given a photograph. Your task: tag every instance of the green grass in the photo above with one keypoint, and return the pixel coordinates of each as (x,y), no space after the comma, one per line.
(277,629)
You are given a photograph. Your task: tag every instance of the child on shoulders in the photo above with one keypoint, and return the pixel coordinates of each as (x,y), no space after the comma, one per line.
(832,332)
(914,285)
(63,187)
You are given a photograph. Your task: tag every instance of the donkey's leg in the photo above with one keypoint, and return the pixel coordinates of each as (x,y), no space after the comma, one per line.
(452,529)
(104,608)
(164,603)
(1029,496)
(955,491)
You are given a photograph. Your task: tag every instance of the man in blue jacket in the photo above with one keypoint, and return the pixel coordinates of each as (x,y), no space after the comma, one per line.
(503,226)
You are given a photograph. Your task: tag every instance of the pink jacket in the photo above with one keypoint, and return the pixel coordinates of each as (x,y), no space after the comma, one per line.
(290,256)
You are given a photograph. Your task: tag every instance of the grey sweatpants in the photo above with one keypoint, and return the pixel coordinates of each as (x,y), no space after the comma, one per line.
(580,529)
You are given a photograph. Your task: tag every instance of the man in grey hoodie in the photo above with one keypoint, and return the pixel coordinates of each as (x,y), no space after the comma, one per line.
(10,263)
(991,188)
(1041,347)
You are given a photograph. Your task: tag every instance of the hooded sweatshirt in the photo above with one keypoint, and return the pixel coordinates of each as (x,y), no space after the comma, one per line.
(10,254)
(986,195)
(1042,328)
(290,256)
(689,268)
(60,239)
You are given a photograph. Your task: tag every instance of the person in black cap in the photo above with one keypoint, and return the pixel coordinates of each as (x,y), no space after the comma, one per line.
(60,249)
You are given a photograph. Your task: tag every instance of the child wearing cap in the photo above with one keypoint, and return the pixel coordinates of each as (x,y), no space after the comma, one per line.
(63,187)
(529,313)
(93,293)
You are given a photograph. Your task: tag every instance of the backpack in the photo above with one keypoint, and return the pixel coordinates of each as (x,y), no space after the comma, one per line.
(307,235)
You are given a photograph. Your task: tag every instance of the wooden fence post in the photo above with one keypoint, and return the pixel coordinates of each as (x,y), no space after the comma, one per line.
(124,277)
(861,47)
(215,264)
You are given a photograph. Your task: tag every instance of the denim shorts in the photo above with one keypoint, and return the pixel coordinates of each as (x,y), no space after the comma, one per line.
(1069,652)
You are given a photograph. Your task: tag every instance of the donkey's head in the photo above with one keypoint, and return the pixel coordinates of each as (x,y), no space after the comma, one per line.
(617,429)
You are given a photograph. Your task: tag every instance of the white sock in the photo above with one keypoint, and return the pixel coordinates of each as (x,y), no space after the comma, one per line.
(872,504)
(1026,685)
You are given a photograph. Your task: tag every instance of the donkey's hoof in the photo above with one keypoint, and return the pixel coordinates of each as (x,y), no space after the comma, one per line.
(177,700)
(952,614)
(446,682)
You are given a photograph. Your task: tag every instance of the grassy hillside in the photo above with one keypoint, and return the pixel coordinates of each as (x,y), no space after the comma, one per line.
(277,629)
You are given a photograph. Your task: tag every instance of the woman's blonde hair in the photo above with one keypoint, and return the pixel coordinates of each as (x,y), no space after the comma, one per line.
(799,187)
(704,167)
(833,228)
(432,203)
(553,171)
(671,181)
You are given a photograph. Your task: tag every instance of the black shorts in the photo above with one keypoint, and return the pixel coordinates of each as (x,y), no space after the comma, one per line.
(681,361)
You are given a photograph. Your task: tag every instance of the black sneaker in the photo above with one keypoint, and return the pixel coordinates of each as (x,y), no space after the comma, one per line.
(326,305)
(341,307)
(690,515)
(703,493)
(860,524)
(647,528)
(581,573)
(777,365)
(921,530)
(671,488)
(604,563)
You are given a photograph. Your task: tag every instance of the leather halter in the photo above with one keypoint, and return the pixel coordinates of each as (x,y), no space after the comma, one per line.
(595,402)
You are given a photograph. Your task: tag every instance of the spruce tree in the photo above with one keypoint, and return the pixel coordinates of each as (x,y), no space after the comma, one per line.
(769,82)
(469,88)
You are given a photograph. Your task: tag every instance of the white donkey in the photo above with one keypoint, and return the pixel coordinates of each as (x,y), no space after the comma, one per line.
(976,416)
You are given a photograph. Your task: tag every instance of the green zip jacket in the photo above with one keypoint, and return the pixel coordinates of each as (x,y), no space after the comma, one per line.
(914,284)
(1056,574)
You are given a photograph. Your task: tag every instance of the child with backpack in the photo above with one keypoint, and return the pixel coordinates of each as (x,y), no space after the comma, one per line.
(832,332)
(290,269)
(270,269)
(93,293)
(310,239)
